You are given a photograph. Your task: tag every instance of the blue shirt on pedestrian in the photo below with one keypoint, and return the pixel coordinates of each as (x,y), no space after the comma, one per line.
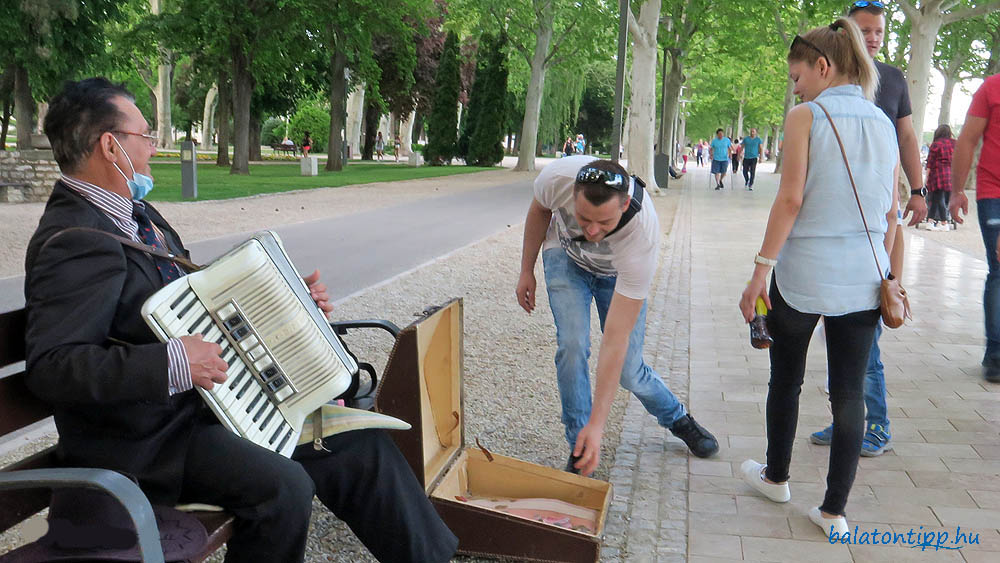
(720,148)
(751,147)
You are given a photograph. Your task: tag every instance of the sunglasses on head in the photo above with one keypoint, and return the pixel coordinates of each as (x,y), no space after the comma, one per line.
(799,40)
(865,3)
(591,175)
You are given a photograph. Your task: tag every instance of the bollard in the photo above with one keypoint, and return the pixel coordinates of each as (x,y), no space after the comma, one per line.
(309,165)
(189,170)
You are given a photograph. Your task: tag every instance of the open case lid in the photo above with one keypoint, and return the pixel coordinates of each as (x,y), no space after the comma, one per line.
(422,385)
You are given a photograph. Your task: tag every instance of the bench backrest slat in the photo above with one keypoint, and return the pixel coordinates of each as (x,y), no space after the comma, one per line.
(19,406)
(12,327)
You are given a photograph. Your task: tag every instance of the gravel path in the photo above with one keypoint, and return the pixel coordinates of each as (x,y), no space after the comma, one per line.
(512,402)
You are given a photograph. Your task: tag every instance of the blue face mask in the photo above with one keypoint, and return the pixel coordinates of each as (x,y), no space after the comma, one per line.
(140,185)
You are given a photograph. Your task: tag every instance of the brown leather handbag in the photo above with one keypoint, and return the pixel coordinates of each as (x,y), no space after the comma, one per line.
(894,303)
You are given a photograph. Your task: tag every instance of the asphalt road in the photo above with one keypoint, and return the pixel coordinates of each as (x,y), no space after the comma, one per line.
(358,251)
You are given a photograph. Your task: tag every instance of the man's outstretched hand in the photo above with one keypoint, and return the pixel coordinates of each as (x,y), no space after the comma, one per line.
(317,290)
(588,449)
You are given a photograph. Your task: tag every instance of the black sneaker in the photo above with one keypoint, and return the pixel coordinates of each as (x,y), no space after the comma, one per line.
(992,374)
(569,464)
(698,440)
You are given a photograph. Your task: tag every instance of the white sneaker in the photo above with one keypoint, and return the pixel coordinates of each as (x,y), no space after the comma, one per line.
(829,526)
(753,475)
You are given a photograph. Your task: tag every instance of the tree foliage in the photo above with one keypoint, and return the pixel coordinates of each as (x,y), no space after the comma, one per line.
(485,147)
(442,124)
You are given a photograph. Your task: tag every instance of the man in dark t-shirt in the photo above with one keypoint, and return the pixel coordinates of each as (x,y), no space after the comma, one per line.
(893,98)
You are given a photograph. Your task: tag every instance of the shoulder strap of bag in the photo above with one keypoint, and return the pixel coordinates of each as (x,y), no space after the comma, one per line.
(188,265)
(843,153)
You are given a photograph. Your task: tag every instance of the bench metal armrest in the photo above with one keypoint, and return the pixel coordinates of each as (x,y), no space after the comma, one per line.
(341,327)
(121,488)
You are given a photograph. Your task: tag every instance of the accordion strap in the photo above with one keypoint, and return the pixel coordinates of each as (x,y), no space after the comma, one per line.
(151,250)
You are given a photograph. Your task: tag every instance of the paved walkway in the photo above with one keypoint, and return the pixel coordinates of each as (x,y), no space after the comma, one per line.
(944,471)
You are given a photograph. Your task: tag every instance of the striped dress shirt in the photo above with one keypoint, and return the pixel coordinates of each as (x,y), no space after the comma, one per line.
(119,210)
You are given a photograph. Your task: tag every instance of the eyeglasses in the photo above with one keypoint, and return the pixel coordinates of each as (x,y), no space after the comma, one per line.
(150,137)
(591,175)
(799,40)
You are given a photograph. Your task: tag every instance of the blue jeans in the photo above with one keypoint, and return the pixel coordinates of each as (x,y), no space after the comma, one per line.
(571,289)
(989,224)
(877,412)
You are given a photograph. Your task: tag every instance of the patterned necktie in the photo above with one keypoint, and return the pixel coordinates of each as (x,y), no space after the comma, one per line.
(168,270)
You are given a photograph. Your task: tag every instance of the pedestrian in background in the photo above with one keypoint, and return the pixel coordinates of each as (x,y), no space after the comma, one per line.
(983,122)
(939,178)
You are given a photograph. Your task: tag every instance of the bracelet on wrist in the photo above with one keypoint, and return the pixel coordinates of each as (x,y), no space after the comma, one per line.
(764,261)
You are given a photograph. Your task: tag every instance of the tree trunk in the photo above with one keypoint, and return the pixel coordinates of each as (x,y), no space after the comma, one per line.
(671,95)
(8,109)
(242,91)
(338,109)
(643,101)
(206,118)
(739,120)
(406,135)
(944,118)
(418,127)
(789,98)
(355,116)
(222,115)
(922,40)
(164,127)
(528,140)
(255,126)
(371,127)
(24,107)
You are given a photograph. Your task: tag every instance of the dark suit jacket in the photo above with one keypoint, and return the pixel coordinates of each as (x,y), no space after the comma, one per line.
(91,355)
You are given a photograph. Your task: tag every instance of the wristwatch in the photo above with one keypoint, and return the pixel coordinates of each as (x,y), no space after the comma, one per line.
(922,192)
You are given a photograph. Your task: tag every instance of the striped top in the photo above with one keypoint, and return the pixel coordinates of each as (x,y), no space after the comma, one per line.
(119,210)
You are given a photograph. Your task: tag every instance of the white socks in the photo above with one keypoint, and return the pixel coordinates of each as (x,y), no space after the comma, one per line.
(829,526)
(753,474)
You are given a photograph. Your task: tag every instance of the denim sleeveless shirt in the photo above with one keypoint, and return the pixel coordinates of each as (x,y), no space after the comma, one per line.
(826,266)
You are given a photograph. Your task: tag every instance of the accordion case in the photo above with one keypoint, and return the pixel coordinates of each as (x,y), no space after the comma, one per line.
(474,490)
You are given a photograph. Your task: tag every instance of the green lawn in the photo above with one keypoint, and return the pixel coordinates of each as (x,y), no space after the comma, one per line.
(216,183)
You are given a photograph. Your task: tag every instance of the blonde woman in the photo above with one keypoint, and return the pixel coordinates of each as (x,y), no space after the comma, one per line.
(822,259)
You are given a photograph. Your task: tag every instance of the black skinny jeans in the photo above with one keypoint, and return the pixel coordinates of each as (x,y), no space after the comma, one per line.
(749,170)
(939,205)
(848,341)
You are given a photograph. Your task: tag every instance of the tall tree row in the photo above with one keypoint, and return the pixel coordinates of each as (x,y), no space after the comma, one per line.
(442,124)
(485,146)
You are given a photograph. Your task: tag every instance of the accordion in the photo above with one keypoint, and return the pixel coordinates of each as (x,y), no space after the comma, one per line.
(284,359)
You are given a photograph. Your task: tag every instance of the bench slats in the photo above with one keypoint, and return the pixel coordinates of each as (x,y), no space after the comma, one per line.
(19,406)
(12,327)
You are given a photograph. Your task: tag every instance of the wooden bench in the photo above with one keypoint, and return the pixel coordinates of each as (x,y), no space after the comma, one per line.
(25,485)
(293,148)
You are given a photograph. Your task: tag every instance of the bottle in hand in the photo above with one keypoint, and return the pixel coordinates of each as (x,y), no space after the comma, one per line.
(759,337)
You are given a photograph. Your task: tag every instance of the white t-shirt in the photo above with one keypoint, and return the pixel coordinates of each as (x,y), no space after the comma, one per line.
(630,253)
